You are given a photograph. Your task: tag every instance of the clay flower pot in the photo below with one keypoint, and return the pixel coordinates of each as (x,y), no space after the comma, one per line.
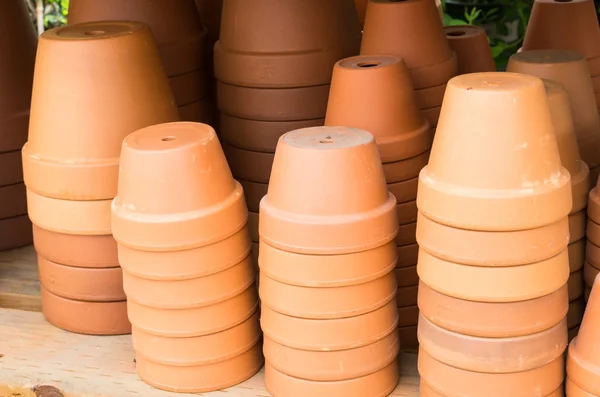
(563,25)
(266,48)
(375,93)
(189,87)
(569,69)
(403,170)
(98,107)
(201,111)
(295,219)
(476,187)
(249,165)
(472,49)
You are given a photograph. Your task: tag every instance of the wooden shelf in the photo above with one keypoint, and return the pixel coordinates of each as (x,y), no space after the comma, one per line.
(33,352)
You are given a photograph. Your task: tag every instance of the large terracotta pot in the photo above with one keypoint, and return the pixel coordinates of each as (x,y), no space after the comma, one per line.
(472,48)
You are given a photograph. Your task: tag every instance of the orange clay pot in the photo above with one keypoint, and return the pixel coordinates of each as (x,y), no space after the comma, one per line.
(577,226)
(201,111)
(589,275)
(403,170)
(493,320)
(17,46)
(472,49)
(563,25)
(15,232)
(576,255)
(492,196)
(576,288)
(593,232)
(426,391)
(592,254)
(573,390)
(189,87)
(163,204)
(493,355)
(435,75)
(593,210)
(594,66)
(293,218)
(249,165)
(254,192)
(430,97)
(284,44)
(96,110)
(569,69)
(375,93)
(576,312)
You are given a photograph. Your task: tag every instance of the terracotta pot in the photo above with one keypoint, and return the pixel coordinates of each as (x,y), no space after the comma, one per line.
(407,234)
(96,110)
(403,170)
(569,69)
(189,87)
(249,165)
(295,219)
(83,284)
(493,355)
(426,391)
(589,275)
(435,75)
(18,47)
(492,196)
(259,136)
(407,276)
(201,378)
(563,25)
(432,115)
(162,203)
(254,192)
(407,296)
(593,232)
(15,232)
(576,312)
(573,390)
(375,93)
(593,210)
(577,226)
(270,49)
(201,111)
(573,333)
(490,249)
(592,254)
(472,48)
(410,29)
(12,167)
(408,255)
(407,212)
(430,97)
(493,320)
(594,66)
(404,191)
(13,200)
(577,255)
(90,318)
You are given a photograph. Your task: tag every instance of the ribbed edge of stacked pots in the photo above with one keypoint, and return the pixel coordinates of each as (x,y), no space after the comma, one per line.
(182,43)
(375,93)
(412,29)
(327,260)
(472,48)
(591,267)
(273,70)
(493,232)
(180,220)
(79,117)
(569,68)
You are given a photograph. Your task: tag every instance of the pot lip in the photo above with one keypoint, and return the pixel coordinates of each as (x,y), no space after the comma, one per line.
(359,63)
(468,31)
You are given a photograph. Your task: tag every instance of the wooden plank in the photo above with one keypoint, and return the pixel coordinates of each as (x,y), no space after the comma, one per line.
(19,285)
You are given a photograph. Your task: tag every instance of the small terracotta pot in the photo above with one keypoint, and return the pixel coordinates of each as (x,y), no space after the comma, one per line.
(408,255)
(435,75)
(577,226)
(249,165)
(593,232)
(375,93)
(576,312)
(407,296)
(493,320)
(162,203)
(407,234)
(577,255)
(295,219)
(492,196)
(201,111)
(569,69)
(12,167)
(15,232)
(254,192)
(430,97)
(268,48)
(472,48)
(189,87)
(563,25)
(432,115)
(403,170)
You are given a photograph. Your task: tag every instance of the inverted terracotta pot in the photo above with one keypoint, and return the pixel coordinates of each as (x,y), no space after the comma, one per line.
(430,97)
(426,391)
(407,276)
(577,226)
(334,220)
(201,111)
(569,69)
(411,29)
(493,355)
(403,170)
(493,320)
(189,87)
(96,111)
(435,75)
(380,383)
(408,255)
(332,365)
(472,48)
(201,378)
(407,296)
(284,44)
(563,25)
(90,318)
(249,165)
(576,312)
(13,200)
(259,136)
(494,284)
(15,232)
(327,270)
(404,191)
(406,234)
(493,196)
(12,167)
(254,192)
(83,284)
(163,203)
(375,93)
(90,218)
(593,232)
(329,335)
(577,255)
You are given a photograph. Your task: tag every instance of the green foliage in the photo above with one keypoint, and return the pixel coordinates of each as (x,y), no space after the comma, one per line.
(55,13)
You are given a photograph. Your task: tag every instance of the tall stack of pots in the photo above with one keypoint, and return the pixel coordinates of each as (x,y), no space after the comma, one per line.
(185,253)
(327,261)
(375,93)
(412,29)
(472,48)
(493,232)
(181,39)
(273,67)
(18,43)
(79,117)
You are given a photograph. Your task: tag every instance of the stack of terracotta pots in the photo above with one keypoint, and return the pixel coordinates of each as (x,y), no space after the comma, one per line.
(180,221)
(412,29)
(18,44)
(273,68)
(493,232)
(181,39)
(375,93)
(327,262)
(79,117)
(592,253)
(569,69)
(472,48)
